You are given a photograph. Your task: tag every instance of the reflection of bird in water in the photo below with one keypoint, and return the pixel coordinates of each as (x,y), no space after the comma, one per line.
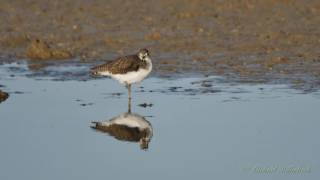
(127,127)
(127,70)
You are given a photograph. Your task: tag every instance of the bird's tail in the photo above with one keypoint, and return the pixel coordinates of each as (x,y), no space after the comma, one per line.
(94,125)
(93,71)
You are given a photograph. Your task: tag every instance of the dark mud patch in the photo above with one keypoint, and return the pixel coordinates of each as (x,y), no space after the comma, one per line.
(3,96)
(82,103)
(18,92)
(187,90)
(113,95)
(174,88)
(235,99)
(145,105)
(117,94)
(86,104)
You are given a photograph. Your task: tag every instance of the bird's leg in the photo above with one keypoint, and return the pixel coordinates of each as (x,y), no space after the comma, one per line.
(129,89)
(129,97)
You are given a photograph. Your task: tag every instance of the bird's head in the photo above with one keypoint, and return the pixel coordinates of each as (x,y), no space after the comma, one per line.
(144,143)
(144,55)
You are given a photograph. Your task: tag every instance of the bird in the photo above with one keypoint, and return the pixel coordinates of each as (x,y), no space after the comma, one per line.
(127,69)
(127,127)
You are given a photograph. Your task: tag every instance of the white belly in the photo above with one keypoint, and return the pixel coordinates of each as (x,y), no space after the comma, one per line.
(132,77)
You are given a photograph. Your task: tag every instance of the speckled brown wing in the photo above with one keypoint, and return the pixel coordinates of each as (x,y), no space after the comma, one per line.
(121,65)
(122,132)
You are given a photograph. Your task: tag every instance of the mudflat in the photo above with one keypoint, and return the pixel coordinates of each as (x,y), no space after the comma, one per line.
(245,40)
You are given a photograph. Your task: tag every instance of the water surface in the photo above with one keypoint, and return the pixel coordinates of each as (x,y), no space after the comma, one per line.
(202,127)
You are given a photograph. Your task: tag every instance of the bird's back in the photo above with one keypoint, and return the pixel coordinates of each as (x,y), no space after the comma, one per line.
(121,65)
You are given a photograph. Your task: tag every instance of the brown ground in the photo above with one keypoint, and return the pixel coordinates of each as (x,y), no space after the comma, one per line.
(251,40)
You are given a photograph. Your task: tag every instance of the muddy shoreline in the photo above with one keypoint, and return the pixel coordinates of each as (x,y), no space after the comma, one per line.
(244,41)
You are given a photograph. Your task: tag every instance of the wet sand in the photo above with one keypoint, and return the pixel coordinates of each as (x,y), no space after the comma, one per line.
(246,41)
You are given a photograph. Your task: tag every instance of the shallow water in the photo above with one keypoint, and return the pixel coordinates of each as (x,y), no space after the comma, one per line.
(202,127)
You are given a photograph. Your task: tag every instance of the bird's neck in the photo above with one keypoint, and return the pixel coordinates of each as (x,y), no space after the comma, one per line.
(149,62)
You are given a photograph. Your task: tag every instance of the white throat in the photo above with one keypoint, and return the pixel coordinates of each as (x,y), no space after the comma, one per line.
(148,60)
